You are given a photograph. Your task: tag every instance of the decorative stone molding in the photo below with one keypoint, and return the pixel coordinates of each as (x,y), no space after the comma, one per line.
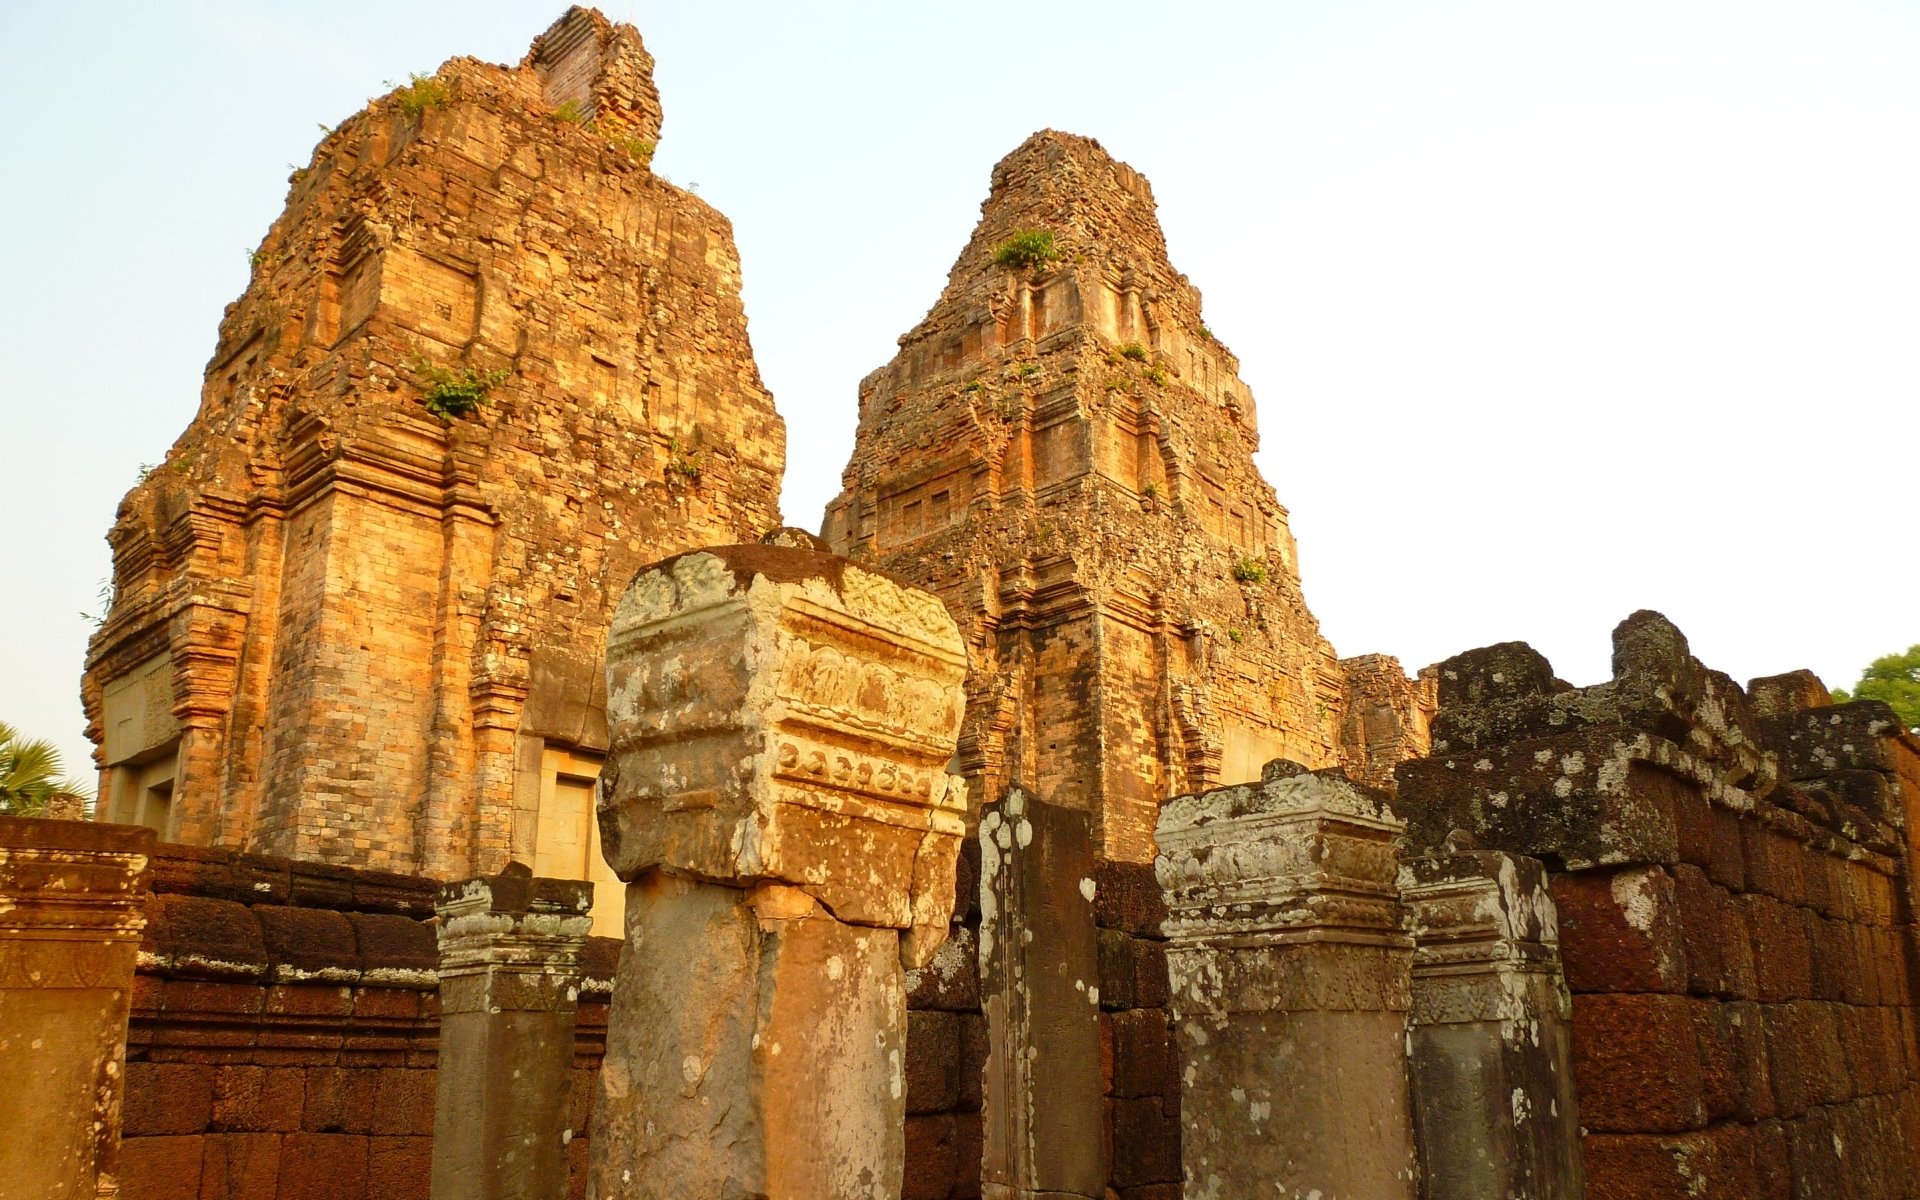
(72,897)
(1290,979)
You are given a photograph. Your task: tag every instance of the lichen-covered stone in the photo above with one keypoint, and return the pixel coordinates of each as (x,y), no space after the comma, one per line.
(1291,986)
(777,799)
(783,715)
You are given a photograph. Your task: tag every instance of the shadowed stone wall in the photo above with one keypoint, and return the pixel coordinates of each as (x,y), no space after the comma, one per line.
(1733,874)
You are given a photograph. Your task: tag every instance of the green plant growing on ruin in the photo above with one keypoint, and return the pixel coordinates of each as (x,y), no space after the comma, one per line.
(1235,636)
(1250,570)
(1027,370)
(637,148)
(1151,491)
(684,463)
(973,385)
(1117,385)
(1026,249)
(1158,375)
(1134,351)
(422,93)
(262,257)
(1893,678)
(452,394)
(1207,333)
(572,112)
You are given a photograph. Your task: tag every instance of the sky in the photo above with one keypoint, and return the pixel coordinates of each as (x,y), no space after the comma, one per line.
(1552,311)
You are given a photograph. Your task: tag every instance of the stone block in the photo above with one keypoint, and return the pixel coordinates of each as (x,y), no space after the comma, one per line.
(1637,1063)
(973,1061)
(258,1099)
(1719,1161)
(932,1158)
(161,1168)
(933,1062)
(762,732)
(322,1166)
(167,1098)
(1127,898)
(399,1168)
(951,979)
(1621,930)
(1142,1046)
(340,1100)
(403,1102)
(1782,955)
(1146,1143)
(1590,798)
(238,1166)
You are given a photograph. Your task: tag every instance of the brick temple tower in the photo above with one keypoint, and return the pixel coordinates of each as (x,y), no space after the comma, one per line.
(1064,453)
(348,629)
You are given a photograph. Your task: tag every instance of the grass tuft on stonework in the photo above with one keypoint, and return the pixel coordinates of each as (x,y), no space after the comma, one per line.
(1026,249)
(422,93)
(452,394)
(1250,570)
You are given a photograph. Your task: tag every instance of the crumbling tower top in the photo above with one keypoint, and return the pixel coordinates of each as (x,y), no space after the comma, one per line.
(586,60)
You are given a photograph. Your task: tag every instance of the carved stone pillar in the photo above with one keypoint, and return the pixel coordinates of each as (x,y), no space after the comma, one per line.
(1290,985)
(776,796)
(1040,986)
(1493,1094)
(72,905)
(509,978)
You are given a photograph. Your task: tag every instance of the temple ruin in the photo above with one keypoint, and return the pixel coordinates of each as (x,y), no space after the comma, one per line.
(1063,452)
(496,803)
(346,629)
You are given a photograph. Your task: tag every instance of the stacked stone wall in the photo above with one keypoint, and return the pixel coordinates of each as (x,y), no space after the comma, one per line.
(284,1034)
(1733,884)
(1140,1066)
(947,1053)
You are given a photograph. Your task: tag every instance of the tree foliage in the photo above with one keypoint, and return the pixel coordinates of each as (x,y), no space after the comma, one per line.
(30,775)
(1894,678)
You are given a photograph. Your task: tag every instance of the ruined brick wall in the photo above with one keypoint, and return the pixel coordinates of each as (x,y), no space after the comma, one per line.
(946,1054)
(1385,717)
(1140,1063)
(947,1046)
(284,1034)
(1734,883)
(347,629)
(1063,453)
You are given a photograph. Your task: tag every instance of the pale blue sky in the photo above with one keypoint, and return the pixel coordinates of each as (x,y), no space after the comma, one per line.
(1551,311)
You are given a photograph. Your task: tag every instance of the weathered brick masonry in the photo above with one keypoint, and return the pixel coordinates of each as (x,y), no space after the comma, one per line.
(1733,873)
(346,629)
(284,1034)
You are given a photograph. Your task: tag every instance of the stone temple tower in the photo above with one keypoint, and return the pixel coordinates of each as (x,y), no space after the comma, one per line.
(1063,452)
(349,628)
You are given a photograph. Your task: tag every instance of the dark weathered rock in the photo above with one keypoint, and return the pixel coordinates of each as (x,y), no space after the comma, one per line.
(1494,1103)
(509,983)
(1040,988)
(1290,977)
